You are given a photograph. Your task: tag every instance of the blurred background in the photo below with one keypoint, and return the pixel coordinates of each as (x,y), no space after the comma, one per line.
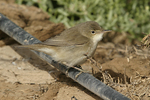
(131,17)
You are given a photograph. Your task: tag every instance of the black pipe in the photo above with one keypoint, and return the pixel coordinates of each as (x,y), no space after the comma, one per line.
(85,79)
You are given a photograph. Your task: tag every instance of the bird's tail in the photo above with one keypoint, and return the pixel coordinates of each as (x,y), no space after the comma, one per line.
(33,46)
(37,47)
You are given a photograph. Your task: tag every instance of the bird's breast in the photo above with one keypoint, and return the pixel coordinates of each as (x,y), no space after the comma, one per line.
(91,49)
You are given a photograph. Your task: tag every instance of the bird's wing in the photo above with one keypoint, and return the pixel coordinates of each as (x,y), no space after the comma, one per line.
(66,40)
(75,41)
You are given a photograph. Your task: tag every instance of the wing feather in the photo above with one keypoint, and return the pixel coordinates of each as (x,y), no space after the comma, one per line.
(67,38)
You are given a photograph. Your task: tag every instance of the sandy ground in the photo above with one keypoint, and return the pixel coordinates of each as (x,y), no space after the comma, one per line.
(24,76)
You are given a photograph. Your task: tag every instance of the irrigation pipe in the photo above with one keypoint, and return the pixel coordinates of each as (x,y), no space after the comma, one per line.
(85,79)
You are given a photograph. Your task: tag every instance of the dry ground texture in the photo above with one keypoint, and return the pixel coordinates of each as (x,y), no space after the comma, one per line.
(23,76)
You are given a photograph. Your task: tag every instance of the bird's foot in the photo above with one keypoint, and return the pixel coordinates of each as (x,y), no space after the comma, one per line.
(78,68)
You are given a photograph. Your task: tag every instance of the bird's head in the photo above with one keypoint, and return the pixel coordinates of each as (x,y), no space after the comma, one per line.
(92,30)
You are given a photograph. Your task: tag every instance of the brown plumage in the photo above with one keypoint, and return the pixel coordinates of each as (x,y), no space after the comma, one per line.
(74,45)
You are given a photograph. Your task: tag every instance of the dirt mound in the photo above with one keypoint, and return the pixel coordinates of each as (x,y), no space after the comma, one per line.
(31,19)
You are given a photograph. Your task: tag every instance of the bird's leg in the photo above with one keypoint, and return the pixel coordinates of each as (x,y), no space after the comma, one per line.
(81,70)
(78,67)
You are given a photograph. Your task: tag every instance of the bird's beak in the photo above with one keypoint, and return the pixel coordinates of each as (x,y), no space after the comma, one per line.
(106,31)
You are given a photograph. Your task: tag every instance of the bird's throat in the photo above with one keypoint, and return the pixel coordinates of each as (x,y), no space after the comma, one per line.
(97,38)
(94,43)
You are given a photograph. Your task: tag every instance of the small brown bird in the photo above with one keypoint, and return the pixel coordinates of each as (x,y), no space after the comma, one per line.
(74,45)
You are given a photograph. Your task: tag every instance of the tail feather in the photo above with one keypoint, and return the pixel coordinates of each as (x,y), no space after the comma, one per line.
(38,47)
(33,46)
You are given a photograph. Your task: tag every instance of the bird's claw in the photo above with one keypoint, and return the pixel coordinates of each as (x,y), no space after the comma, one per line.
(81,71)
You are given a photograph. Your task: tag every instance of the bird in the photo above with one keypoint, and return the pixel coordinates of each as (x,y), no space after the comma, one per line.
(74,45)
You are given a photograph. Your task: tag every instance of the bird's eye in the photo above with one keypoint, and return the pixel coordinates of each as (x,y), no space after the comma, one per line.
(93,32)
